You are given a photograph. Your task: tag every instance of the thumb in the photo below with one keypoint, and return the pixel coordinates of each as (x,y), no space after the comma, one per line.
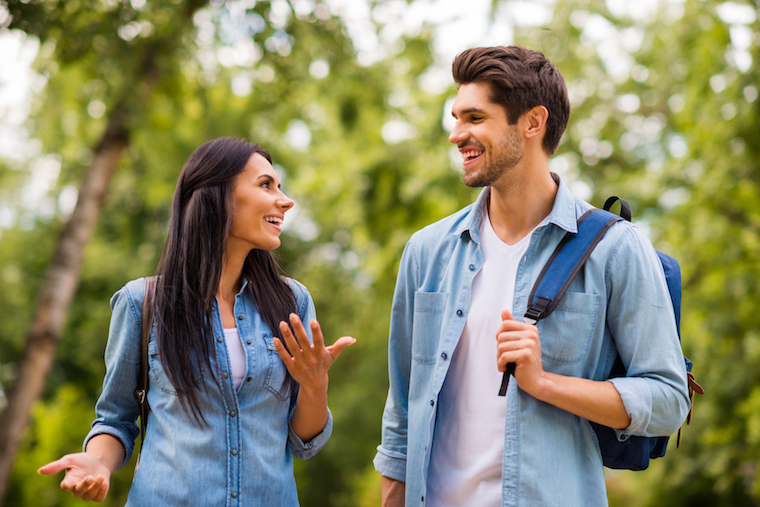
(341,343)
(52,468)
(506,315)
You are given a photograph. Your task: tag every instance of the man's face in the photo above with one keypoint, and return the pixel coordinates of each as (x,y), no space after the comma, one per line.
(489,145)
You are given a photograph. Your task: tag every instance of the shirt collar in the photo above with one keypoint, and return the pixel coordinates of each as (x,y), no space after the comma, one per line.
(564,213)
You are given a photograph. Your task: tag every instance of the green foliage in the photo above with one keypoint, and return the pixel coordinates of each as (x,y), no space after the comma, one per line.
(48,438)
(668,121)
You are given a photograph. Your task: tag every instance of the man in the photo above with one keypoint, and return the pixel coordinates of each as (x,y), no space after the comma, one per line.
(456,322)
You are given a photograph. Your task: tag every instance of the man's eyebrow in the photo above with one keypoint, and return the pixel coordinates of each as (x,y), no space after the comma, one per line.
(469,110)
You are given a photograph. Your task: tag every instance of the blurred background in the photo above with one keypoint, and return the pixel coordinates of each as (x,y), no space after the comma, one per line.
(102,101)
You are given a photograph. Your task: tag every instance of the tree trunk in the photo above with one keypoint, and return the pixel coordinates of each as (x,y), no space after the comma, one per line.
(57,292)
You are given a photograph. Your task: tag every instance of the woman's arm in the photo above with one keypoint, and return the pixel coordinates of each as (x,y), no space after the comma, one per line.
(88,474)
(308,365)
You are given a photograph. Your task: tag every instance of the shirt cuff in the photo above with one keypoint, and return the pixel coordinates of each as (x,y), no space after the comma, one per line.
(390,464)
(637,400)
(102,429)
(306,450)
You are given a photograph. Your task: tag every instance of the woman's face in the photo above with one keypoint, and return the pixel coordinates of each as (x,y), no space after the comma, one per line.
(258,207)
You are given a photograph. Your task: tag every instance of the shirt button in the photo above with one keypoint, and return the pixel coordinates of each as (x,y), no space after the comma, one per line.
(234,495)
(240,317)
(472,267)
(234,452)
(219,339)
(444,356)
(459,313)
(248,342)
(232,414)
(249,379)
(224,374)
(432,403)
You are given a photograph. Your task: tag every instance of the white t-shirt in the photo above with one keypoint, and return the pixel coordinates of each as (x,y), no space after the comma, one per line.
(468,446)
(237,355)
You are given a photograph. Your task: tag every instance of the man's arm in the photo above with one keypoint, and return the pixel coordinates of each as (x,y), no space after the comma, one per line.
(597,401)
(392,493)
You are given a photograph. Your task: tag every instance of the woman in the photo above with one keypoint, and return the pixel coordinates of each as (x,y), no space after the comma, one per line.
(230,402)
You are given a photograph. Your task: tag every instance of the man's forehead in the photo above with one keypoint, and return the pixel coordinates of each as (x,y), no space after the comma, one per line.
(473,97)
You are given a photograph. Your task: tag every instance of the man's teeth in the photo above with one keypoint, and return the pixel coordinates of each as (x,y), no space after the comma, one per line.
(274,220)
(468,155)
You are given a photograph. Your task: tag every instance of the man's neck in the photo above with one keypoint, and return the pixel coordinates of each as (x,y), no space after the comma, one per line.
(519,203)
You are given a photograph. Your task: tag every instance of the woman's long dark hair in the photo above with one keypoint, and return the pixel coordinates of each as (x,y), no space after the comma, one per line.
(191,268)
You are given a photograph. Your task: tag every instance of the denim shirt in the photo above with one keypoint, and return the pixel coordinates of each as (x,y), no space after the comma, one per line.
(245,455)
(618,303)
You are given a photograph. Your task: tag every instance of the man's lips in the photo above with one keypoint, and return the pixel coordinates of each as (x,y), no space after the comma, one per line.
(470,154)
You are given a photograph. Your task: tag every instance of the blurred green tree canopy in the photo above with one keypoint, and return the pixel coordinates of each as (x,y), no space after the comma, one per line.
(665,113)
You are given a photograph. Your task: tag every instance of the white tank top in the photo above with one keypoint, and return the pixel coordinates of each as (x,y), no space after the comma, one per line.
(237,355)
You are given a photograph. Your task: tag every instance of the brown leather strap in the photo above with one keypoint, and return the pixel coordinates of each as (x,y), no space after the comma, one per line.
(694,388)
(141,393)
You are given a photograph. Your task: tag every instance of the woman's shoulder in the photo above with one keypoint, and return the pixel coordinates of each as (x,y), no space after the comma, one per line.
(132,294)
(299,290)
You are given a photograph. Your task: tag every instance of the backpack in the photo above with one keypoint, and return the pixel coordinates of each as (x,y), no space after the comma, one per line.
(552,283)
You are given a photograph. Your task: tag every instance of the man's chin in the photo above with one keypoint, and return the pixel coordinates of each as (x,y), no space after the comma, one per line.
(475,181)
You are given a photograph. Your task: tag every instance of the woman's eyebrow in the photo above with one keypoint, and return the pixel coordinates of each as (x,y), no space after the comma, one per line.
(270,178)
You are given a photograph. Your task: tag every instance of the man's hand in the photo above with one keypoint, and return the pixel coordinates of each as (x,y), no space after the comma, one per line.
(517,342)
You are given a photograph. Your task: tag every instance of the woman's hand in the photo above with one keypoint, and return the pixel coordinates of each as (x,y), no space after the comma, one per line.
(86,476)
(307,363)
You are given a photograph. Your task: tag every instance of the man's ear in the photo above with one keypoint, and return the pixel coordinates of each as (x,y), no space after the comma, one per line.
(536,121)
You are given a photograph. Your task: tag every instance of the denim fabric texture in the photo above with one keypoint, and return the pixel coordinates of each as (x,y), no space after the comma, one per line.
(618,303)
(245,455)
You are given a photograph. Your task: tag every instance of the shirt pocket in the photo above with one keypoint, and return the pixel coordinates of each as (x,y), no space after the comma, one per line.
(567,333)
(158,376)
(278,381)
(429,311)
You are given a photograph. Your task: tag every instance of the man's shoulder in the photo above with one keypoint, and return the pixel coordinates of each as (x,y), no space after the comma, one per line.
(443,230)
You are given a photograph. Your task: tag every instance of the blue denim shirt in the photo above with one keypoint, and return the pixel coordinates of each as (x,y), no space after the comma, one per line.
(618,303)
(245,455)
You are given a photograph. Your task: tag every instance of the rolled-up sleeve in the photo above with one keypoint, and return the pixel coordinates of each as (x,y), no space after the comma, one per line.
(390,460)
(117,408)
(641,320)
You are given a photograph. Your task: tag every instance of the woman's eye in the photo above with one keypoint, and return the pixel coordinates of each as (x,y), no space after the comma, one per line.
(265,184)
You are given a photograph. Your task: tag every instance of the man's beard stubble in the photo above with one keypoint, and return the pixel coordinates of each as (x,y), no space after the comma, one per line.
(508,154)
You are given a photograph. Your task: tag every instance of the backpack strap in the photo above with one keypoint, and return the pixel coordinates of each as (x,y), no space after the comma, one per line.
(141,393)
(561,268)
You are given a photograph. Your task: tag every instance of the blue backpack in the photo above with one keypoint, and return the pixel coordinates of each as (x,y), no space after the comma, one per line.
(552,283)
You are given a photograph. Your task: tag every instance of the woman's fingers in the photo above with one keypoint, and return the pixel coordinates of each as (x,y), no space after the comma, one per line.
(289,340)
(316,334)
(52,468)
(341,343)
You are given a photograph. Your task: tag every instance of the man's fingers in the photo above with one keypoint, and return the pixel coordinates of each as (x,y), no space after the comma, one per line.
(341,343)
(506,315)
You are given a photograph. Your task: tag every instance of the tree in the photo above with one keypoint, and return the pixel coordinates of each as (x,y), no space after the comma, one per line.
(274,57)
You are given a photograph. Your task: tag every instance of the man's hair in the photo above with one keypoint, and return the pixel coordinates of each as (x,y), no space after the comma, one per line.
(520,79)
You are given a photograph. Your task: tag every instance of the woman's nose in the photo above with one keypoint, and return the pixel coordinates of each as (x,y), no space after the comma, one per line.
(284,202)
